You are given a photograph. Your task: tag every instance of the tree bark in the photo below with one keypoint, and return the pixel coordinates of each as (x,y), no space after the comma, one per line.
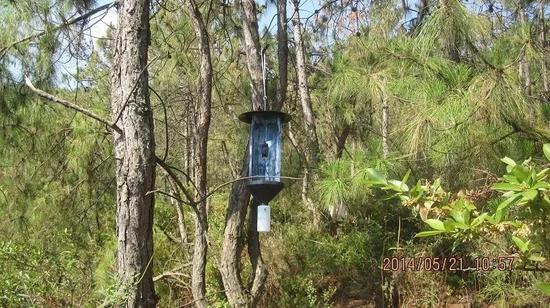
(312,143)
(309,119)
(232,244)
(134,152)
(423,10)
(230,262)
(385,120)
(282,55)
(203,115)
(524,70)
(252,50)
(544,44)
(254,251)
(341,141)
(190,138)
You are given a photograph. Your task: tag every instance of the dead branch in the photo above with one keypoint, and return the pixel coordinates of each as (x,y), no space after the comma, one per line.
(52,98)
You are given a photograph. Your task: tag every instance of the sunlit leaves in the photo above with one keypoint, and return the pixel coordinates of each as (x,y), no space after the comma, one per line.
(333,188)
(436,224)
(520,216)
(375,177)
(451,25)
(544,287)
(521,244)
(546,150)
(429,233)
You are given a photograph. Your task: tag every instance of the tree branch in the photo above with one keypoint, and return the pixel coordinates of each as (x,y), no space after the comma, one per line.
(162,192)
(211,192)
(107,6)
(50,97)
(165,123)
(173,272)
(180,185)
(193,202)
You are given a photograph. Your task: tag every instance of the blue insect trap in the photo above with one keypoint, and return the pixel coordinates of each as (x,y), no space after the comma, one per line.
(264,159)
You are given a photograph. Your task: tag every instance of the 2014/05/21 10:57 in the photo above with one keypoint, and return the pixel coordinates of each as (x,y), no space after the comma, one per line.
(502,263)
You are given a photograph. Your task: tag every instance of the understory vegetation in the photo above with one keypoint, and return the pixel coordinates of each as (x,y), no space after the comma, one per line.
(430,141)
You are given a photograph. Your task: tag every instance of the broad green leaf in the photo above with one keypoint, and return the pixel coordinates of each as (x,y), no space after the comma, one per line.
(541,186)
(466,215)
(479,219)
(544,287)
(506,203)
(537,258)
(542,174)
(507,160)
(546,150)
(529,195)
(510,178)
(450,225)
(521,173)
(457,215)
(435,224)
(428,233)
(397,186)
(461,225)
(533,177)
(510,194)
(523,246)
(507,187)
(375,177)
(406,177)
(496,217)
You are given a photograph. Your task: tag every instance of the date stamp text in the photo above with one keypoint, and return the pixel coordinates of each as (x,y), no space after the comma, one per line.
(450,264)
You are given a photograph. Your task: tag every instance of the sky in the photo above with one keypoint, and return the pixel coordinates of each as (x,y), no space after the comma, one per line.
(67,66)
(100,29)
(307,7)
(102,21)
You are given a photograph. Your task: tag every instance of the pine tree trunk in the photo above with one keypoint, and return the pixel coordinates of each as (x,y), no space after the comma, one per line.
(202,126)
(190,141)
(312,143)
(312,148)
(134,152)
(253,52)
(255,253)
(385,120)
(524,70)
(545,54)
(230,261)
(341,141)
(282,55)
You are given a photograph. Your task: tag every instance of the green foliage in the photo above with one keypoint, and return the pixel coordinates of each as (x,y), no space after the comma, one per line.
(544,287)
(505,288)
(456,105)
(524,211)
(313,273)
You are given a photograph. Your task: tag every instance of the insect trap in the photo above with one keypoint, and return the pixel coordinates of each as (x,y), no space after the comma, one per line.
(264,160)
